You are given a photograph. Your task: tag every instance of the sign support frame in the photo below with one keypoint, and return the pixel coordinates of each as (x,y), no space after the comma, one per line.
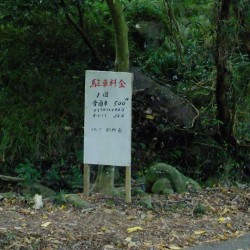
(98,106)
(86,181)
(128,184)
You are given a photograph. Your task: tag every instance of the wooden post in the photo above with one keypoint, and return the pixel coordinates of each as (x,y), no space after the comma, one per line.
(128,184)
(86,179)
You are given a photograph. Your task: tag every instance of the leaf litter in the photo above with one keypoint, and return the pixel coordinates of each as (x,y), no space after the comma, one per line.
(175,222)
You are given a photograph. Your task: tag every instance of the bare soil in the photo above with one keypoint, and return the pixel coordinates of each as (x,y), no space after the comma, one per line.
(175,222)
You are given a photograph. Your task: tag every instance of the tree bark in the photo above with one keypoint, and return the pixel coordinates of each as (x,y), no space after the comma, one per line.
(223,79)
(105,176)
(121,35)
(105,180)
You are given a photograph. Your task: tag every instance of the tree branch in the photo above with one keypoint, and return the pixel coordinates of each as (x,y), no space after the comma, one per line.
(79,29)
(80,13)
(121,35)
(10,178)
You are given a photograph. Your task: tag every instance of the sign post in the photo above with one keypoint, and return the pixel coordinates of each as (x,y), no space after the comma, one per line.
(86,179)
(107,122)
(128,184)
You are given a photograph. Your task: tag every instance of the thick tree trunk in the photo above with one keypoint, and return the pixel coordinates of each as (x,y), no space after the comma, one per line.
(105,180)
(105,176)
(223,79)
(121,35)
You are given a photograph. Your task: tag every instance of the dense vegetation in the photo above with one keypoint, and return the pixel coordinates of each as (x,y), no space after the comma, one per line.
(46,46)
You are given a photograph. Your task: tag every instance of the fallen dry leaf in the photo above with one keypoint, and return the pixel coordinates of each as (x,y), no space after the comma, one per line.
(174,247)
(131,244)
(134,229)
(106,247)
(44,225)
(131,217)
(150,117)
(225,210)
(200,232)
(224,219)
(170,225)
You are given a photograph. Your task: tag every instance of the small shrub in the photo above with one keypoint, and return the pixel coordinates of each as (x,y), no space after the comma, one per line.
(28,173)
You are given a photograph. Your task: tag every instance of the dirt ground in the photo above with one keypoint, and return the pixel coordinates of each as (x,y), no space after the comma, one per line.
(175,222)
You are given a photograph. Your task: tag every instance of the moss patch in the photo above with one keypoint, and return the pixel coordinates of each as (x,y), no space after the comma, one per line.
(165,179)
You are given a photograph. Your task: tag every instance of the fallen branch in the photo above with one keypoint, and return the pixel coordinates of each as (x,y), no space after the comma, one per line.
(10,178)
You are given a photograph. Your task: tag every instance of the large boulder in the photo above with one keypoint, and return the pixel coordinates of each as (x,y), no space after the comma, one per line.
(175,109)
(165,179)
(148,34)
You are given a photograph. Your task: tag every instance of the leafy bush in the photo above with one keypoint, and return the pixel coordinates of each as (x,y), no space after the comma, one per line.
(43,60)
(28,173)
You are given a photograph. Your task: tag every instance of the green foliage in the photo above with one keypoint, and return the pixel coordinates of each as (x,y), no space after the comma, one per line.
(38,77)
(57,176)
(240,67)
(43,59)
(186,62)
(73,179)
(53,177)
(60,198)
(144,10)
(62,176)
(199,210)
(28,173)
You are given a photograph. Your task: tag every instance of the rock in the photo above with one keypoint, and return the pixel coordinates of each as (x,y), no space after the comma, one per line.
(76,201)
(38,199)
(137,191)
(148,34)
(38,188)
(163,179)
(162,186)
(146,201)
(46,192)
(176,109)
(8,195)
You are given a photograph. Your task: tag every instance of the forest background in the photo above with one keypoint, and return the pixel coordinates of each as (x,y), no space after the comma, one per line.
(197,49)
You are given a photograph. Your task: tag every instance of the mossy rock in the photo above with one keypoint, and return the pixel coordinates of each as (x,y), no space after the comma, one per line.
(179,183)
(162,186)
(76,201)
(138,191)
(38,188)
(150,32)
(146,201)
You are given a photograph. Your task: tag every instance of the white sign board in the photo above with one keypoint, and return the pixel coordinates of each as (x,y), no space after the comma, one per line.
(107,119)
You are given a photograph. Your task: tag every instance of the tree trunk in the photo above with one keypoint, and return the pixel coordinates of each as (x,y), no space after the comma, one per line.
(105,176)
(105,180)
(241,10)
(223,76)
(121,35)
